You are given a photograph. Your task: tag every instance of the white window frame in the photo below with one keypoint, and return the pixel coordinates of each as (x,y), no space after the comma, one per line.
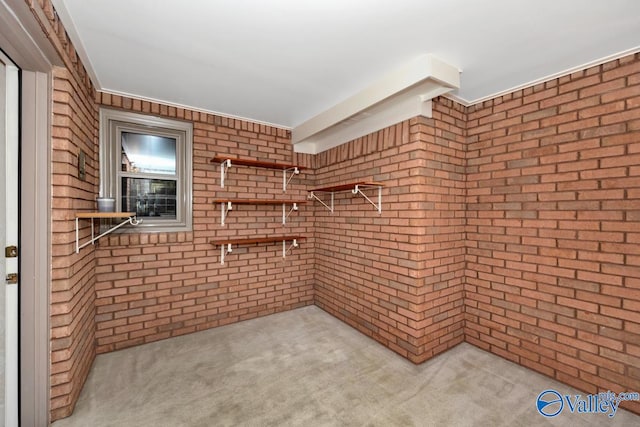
(112,123)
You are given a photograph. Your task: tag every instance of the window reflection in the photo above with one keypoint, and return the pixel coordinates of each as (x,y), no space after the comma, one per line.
(149,197)
(148,154)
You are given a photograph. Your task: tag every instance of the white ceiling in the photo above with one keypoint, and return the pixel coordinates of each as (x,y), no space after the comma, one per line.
(285,61)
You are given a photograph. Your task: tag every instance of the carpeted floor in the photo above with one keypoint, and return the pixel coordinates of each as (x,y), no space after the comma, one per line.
(306,368)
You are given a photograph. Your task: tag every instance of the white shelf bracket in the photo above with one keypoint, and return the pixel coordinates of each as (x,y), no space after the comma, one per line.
(286,250)
(225,207)
(225,249)
(286,214)
(286,179)
(224,167)
(378,206)
(312,195)
(133,220)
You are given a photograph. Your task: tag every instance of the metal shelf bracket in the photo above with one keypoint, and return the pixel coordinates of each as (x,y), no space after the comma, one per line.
(133,220)
(312,195)
(378,206)
(286,214)
(286,250)
(225,207)
(225,249)
(224,167)
(287,179)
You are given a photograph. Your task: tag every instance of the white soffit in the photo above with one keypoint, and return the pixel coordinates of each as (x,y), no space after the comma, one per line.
(400,95)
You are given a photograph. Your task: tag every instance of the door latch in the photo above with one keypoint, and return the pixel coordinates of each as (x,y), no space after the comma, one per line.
(12,278)
(10,252)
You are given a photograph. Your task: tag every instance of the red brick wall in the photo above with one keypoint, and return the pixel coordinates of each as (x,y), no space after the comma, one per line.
(397,276)
(156,285)
(72,286)
(445,227)
(553,227)
(74,128)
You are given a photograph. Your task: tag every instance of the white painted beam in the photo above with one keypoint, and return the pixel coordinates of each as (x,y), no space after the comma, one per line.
(398,96)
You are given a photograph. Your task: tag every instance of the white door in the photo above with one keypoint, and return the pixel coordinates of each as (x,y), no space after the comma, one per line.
(9,117)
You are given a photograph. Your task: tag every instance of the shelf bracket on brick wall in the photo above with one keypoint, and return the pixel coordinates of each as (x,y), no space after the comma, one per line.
(312,195)
(225,249)
(378,206)
(225,207)
(286,250)
(286,214)
(224,167)
(130,219)
(286,179)
(288,170)
(355,188)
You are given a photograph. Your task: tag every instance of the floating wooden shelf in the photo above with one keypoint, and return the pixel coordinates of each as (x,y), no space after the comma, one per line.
(255,163)
(226,244)
(227,162)
(130,219)
(354,187)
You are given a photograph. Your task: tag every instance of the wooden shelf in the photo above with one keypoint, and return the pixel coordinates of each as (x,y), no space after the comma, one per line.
(254,240)
(226,249)
(226,206)
(355,188)
(255,163)
(227,163)
(259,201)
(104,214)
(130,218)
(347,187)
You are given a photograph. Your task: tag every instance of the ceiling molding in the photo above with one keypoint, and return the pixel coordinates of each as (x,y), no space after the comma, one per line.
(400,95)
(192,108)
(545,79)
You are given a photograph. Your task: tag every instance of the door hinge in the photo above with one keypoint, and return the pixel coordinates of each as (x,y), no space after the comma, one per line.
(12,278)
(10,252)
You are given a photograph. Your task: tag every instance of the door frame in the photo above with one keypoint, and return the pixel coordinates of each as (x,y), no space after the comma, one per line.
(10,109)
(35,250)
(23,40)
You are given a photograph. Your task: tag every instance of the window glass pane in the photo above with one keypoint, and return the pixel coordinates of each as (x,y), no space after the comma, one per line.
(149,197)
(148,153)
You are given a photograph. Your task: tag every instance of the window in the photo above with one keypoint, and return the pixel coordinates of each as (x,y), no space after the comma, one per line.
(145,164)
